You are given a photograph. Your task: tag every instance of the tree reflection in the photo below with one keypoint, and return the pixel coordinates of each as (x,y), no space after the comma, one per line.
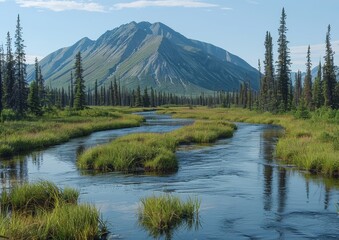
(13,172)
(267,142)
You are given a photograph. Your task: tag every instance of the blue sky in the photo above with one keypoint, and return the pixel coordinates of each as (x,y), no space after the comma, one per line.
(238,26)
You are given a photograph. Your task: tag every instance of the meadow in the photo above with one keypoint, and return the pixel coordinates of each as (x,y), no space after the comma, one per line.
(60,126)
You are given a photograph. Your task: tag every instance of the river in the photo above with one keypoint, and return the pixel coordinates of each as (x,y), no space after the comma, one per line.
(245,193)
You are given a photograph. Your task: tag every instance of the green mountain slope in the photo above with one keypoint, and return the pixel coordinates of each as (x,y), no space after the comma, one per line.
(149,55)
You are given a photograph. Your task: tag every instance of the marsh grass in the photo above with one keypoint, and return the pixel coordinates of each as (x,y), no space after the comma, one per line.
(161,215)
(135,152)
(43,211)
(30,198)
(151,152)
(25,135)
(310,144)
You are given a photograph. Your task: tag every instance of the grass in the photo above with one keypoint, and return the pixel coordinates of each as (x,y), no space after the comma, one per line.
(151,152)
(310,144)
(30,198)
(43,211)
(61,126)
(160,215)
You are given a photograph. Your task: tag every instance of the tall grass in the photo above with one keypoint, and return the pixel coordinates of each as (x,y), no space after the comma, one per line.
(151,152)
(161,215)
(29,198)
(43,211)
(134,152)
(21,136)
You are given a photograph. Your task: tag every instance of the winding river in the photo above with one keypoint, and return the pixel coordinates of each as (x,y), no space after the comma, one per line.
(244,192)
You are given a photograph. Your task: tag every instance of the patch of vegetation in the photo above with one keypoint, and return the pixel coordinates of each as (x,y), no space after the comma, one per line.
(310,144)
(58,127)
(151,152)
(43,211)
(147,151)
(161,215)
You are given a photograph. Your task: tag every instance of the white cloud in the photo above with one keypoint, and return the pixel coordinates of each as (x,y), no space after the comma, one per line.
(163,3)
(226,8)
(298,54)
(61,5)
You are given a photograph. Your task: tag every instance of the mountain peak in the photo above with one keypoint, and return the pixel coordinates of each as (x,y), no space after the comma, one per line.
(149,55)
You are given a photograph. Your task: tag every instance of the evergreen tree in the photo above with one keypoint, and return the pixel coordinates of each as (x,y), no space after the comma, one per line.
(41,87)
(80,94)
(297,90)
(307,90)
(33,99)
(318,97)
(152,98)
(96,93)
(8,83)
(1,76)
(283,66)
(71,94)
(138,99)
(116,94)
(20,92)
(267,97)
(146,100)
(329,77)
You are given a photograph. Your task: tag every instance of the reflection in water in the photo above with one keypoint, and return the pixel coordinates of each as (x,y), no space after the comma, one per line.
(13,172)
(267,150)
(37,159)
(156,233)
(327,197)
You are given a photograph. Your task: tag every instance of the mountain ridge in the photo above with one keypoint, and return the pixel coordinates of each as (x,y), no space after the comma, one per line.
(149,55)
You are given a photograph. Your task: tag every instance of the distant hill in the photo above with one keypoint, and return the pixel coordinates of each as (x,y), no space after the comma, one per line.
(149,55)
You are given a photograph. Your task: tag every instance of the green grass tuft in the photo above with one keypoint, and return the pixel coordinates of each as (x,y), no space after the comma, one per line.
(43,211)
(160,215)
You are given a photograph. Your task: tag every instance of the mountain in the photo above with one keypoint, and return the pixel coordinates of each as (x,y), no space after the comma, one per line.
(149,55)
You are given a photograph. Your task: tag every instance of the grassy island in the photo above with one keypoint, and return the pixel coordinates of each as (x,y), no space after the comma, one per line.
(152,152)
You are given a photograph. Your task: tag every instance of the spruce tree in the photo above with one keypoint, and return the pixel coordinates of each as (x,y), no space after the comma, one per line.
(329,77)
(34,103)
(41,87)
(152,97)
(267,97)
(20,91)
(297,90)
(80,94)
(1,76)
(138,99)
(283,66)
(71,94)
(307,90)
(96,93)
(8,82)
(116,92)
(318,97)
(146,100)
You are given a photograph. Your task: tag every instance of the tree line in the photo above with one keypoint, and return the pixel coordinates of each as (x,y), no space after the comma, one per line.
(17,96)
(279,94)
